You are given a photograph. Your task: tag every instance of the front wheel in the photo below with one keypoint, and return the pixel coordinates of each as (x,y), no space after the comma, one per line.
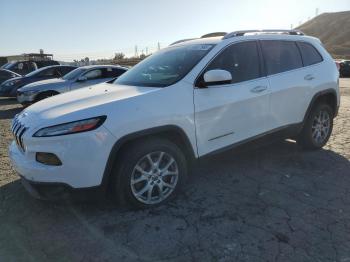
(151,172)
(317,128)
(45,95)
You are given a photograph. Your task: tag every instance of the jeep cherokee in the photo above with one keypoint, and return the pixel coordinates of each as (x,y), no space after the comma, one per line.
(137,136)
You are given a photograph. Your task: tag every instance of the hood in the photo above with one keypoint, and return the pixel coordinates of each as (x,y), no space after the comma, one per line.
(43,83)
(11,79)
(84,102)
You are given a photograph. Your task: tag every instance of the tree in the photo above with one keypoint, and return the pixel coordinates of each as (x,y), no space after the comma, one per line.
(119,56)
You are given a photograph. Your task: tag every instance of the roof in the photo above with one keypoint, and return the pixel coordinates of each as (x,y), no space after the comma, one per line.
(219,36)
(204,41)
(102,66)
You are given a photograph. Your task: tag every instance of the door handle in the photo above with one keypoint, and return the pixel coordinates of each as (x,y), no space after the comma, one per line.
(258,89)
(309,77)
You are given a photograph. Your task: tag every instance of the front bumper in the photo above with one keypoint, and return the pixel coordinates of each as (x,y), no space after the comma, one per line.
(25,99)
(46,191)
(83,156)
(58,191)
(7,94)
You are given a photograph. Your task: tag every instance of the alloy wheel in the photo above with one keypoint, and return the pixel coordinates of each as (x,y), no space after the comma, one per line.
(321,126)
(154,177)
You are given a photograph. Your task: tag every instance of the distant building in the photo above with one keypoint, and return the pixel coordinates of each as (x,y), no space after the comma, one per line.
(26,57)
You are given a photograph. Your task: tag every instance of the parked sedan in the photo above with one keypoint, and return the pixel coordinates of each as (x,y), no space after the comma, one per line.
(78,78)
(25,67)
(9,87)
(344,69)
(7,74)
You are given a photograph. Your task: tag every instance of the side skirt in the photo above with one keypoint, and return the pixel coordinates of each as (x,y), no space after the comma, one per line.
(284,132)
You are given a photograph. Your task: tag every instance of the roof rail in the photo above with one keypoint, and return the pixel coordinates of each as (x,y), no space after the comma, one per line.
(269,31)
(182,40)
(214,34)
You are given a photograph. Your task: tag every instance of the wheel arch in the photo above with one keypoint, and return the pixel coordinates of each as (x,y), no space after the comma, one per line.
(174,133)
(46,92)
(329,96)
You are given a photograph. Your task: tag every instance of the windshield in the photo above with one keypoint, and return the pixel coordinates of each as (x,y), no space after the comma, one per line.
(74,74)
(165,67)
(8,65)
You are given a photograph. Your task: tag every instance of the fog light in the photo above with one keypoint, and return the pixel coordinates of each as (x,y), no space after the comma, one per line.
(48,159)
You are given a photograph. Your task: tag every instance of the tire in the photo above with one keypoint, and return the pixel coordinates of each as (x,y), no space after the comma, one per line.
(137,183)
(315,134)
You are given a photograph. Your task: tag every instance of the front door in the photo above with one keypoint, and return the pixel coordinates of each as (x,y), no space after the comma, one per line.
(92,77)
(229,113)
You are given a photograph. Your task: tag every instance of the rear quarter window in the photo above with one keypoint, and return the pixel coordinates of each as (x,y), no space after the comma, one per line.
(309,54)
(113,72)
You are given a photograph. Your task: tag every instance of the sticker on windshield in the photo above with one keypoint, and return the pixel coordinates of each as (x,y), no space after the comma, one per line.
(200,47)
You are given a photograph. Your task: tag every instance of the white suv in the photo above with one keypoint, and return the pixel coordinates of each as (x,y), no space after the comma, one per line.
(137,136)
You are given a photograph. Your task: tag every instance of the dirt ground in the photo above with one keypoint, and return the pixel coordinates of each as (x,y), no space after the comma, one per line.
(272,203)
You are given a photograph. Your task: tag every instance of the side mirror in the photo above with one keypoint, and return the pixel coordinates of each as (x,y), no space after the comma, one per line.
(82,78)
(217,77)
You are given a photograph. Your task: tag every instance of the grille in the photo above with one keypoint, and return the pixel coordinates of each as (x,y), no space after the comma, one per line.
(18,131)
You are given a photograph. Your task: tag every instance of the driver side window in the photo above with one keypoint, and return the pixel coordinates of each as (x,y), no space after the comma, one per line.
(241,60)
(93,74)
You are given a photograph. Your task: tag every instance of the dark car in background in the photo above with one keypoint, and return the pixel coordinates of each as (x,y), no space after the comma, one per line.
(25,67)
(344,68)
(6,75)
(9,87)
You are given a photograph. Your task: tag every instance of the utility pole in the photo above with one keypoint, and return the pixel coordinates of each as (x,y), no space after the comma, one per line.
(158,46)
(136,51)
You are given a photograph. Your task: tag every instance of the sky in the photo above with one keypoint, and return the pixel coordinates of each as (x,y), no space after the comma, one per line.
(73,29)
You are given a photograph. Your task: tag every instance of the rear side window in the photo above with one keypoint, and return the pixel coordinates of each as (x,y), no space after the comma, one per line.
(65,69)
(309,54)
(281,56)
(50,72)
(113,72)
(241,60)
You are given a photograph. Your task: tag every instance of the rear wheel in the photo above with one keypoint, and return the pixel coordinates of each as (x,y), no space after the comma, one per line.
(317,128)
(150,173)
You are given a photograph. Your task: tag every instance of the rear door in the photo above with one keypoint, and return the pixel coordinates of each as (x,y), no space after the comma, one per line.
(229,113)
(287,80)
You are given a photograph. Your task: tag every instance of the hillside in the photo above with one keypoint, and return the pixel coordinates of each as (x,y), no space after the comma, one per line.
(334,31)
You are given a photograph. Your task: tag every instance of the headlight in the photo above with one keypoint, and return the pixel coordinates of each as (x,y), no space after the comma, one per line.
(71,127)
(29,93)
(12,83)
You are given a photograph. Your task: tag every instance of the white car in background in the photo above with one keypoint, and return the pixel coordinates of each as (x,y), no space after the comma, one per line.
(78,78)
(137,136)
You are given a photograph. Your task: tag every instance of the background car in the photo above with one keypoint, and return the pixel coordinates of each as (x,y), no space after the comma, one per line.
(344,70)
(7,74)
(25,67)
(9,87)
(78,78)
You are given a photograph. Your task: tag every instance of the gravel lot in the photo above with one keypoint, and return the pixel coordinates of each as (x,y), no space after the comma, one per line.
(272,203)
